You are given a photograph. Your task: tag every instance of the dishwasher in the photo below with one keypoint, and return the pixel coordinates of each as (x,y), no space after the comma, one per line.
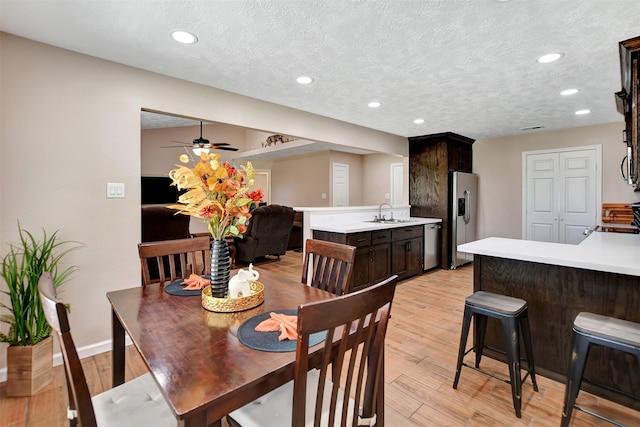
(432,245)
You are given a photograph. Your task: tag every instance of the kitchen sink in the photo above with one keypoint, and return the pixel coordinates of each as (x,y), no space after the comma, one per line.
(390,221)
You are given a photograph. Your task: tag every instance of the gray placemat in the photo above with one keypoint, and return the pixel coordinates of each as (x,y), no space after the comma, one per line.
(268,341)
(177,288)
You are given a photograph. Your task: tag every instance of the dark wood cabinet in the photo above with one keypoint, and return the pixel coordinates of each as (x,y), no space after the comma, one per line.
(431,158)
(627,104)
(382,253)
(373,254)
(407,251)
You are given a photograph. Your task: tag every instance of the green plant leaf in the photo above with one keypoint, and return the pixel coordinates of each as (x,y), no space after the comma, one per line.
(22,267)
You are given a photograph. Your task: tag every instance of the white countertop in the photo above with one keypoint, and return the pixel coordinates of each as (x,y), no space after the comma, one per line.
(610,252)
(358,226)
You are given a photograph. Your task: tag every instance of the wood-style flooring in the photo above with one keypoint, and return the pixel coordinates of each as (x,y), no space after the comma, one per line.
(421,349)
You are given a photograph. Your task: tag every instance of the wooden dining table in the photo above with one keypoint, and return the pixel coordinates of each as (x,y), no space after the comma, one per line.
(194,355)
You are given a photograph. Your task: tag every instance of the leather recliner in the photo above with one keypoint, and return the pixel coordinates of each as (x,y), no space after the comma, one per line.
(267,233)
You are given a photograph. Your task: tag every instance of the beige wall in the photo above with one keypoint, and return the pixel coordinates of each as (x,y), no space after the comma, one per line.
(377,178)
(498,162)
(299,180)
(70,123)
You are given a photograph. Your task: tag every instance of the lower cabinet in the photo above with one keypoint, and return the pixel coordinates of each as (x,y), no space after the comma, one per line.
(381,253)
(407,251)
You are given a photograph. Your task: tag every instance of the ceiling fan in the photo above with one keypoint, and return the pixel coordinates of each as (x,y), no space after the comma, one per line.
(200,144)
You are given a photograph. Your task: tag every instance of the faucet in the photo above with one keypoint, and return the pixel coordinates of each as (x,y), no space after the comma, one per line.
(380,217)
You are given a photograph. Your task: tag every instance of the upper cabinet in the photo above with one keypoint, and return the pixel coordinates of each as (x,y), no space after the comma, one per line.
(627,104)
(431,158)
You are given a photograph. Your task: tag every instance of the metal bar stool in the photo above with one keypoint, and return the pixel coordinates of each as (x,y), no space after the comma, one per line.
(588,329)
(512,313)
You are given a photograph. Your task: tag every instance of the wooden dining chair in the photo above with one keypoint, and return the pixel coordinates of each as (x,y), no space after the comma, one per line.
(135,403)
(354,396)
(175,259)
(330,266)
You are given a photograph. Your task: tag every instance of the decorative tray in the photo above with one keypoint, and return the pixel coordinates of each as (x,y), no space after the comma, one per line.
(231,305)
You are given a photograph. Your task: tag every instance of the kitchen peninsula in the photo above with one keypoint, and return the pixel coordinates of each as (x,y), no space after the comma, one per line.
(600,275)
(384,248)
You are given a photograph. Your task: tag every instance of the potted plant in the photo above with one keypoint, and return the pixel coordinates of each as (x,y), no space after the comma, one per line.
(30,351)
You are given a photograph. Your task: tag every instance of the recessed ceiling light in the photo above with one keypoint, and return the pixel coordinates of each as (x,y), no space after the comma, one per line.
(581,112)
(304,80)
(549,58)
(184,37)
(418,121)
(374,104)
(569,92)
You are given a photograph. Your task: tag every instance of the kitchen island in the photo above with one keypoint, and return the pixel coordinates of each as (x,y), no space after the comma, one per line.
(600,275)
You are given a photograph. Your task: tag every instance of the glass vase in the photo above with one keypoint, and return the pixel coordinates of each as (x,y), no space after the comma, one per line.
(220,268)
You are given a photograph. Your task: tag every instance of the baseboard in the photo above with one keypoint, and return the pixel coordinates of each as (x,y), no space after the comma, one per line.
(83,352)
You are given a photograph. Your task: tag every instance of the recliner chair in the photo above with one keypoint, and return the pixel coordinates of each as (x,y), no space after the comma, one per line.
(267,233)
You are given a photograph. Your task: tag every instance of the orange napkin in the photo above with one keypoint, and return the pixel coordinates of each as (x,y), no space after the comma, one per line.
(287,325)
(195,282)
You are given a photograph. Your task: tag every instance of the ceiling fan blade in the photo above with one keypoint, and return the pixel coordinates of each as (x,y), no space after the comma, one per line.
(203,143)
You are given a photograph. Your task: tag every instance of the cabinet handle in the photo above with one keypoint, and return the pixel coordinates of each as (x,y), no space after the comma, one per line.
(361,240)
(372,255)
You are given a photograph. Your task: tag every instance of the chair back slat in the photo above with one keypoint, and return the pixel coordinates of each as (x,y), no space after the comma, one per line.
(352,356)
(176,259)
(56,315)
(329,266)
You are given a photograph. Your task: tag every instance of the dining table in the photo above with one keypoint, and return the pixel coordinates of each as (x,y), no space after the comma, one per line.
(195,356)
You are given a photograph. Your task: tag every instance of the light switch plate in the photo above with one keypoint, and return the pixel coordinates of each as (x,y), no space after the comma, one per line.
(115,190)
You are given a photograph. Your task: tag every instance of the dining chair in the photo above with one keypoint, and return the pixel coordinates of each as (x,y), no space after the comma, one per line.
(331,266)
(135,403)
(345,385)
(175,259)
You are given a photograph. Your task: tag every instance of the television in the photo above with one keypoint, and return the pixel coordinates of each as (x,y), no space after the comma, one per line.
(158,190)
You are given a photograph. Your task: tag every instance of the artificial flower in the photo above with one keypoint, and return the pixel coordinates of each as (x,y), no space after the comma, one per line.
(216,193)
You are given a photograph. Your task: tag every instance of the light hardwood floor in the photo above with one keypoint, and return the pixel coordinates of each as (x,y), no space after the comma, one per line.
(421,350)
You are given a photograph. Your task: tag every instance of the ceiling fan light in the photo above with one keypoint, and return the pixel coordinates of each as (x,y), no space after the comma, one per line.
(199,150)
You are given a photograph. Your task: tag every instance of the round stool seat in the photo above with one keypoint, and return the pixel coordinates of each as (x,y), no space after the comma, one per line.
(608,328)
(499,303)
(594,329)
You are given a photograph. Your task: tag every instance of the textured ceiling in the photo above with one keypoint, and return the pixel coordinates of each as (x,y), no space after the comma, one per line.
(465,66)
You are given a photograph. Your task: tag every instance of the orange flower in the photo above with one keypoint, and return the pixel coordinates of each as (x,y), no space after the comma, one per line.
(215,193)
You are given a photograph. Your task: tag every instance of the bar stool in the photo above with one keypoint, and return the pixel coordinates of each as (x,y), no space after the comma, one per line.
(588,329)
(512,313)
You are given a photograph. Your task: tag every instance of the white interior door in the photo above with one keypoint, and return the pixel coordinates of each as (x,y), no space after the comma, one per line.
(340,188)
(397,183)
(262,180)
(541,197)
(561,194)
(578,195)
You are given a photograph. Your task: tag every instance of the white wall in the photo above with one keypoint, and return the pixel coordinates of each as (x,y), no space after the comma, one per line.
(70,123)
(498,162)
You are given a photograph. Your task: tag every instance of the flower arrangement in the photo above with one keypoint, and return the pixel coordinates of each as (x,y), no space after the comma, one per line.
(217,193)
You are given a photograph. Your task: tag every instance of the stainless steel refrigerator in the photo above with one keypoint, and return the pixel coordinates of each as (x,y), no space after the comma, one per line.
(464,196)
